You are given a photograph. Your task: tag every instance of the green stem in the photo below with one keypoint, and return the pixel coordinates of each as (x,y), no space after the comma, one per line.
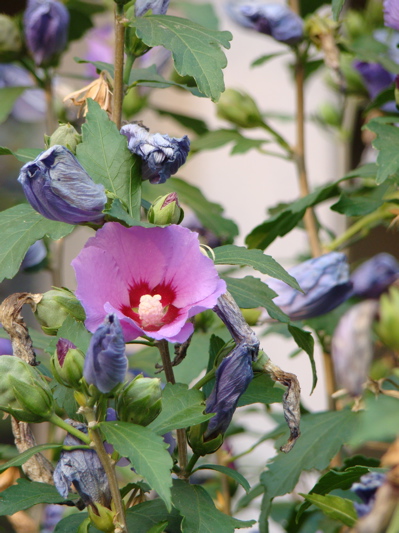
(280,140)
(29,66)
(130,59)
(194,458)
(55,419)
(118,66)
(203,381)
(51,122)
(144,343)
(359,225)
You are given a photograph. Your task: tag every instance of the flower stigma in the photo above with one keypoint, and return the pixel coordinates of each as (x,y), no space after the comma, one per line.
(151,311)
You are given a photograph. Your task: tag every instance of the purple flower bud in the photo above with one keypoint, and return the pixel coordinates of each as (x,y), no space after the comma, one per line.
(46,24)
(158,7)
(35,255)
(375,77)
(232,379)
(374,276)
(84,469)
(352,346)
(162,155)
(391,14)
(275,20)
(325,283)
(366,489)
(63,347)
(58,187)
(106,362)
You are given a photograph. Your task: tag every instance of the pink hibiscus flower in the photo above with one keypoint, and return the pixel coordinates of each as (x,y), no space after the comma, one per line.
(153,279)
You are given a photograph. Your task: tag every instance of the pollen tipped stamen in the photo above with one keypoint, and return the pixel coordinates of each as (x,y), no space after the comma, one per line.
(151,311)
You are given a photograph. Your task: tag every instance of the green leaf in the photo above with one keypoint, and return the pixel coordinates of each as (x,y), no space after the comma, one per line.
(28,493)
(199,512)
(196,50)
(146,451)
(80,17)
(378,422)
(262,389)
(239,478)
(305,341)
(8,96)
(181,408)
(209,213)
(239,255)
(322,435)
(387,143)
(203,14)
(363,201)
(216,344)
(75,332)
(336,6)
(106,158)
(147,515)
(333,480)
(394,524)
(197,125)
(367,48)
(25,155)
(211,140)
(20,227)
(284,221)
(71,523)
(24,456)
(265,58)
(250,292)
(338,508)
(116,212)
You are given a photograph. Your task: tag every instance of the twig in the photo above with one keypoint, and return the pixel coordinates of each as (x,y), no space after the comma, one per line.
(118,67)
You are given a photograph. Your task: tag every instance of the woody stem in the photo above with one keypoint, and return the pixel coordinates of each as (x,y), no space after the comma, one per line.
(118,66)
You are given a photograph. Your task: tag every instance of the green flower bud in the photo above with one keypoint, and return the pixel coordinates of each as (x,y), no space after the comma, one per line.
(133,45)
(195,436)
(102,517)
(166,210)
(140,401)
(65,135)
(10,39)
(54,308)
(24,393)
(388,326)
(67,364)
(239,108)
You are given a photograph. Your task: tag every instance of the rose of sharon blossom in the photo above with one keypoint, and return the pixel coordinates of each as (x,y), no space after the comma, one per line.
(158,7)
(391,14)
(152,279)
(162,155)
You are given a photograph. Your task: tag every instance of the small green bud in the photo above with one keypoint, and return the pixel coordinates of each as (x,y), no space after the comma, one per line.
(251,316)
(24,393)
(10,39)
(54,308)
(166,210)
(140,401)
(388,326)
(133,45)
(239,108)
(195,436)
(330,115)
(355,24)
(66,135)
(102,517)
(67,364)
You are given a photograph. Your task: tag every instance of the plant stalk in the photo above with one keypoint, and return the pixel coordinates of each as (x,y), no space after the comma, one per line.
(51,122)
(118,65)
(55,419)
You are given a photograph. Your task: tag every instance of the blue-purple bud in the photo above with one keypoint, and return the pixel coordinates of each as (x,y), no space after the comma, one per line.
(376,78)
(67,364)
(366,489)
(232,379)
(352,346)
(325,283)
(391,14)
(373,277)
(57,186)
(84,469)
(106,363)
(158,7)
(46,24)
(161,155)
(275,20)
(35,255)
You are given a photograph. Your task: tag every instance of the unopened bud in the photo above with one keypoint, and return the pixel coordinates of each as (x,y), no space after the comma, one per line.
(24,393)
(166,210)
(67,364)
(239,108)
(10,39)
(199,445)
(65,135)
(388,326)
(55,306)
(140,401)
(102,517)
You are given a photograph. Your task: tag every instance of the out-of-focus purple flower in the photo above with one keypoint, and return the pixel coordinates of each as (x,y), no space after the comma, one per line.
(275,20)
(31,105)
(376,78)
(352,346)
(106,362)
(84,469)
(391,14)
(153,279)
(366,489)
(5,347)
(206,236)
(373,277)
(162,155)
(58,187)
(35,255)
(52,515)
(46,24)
(325,283)
(158,7)
(233,376)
